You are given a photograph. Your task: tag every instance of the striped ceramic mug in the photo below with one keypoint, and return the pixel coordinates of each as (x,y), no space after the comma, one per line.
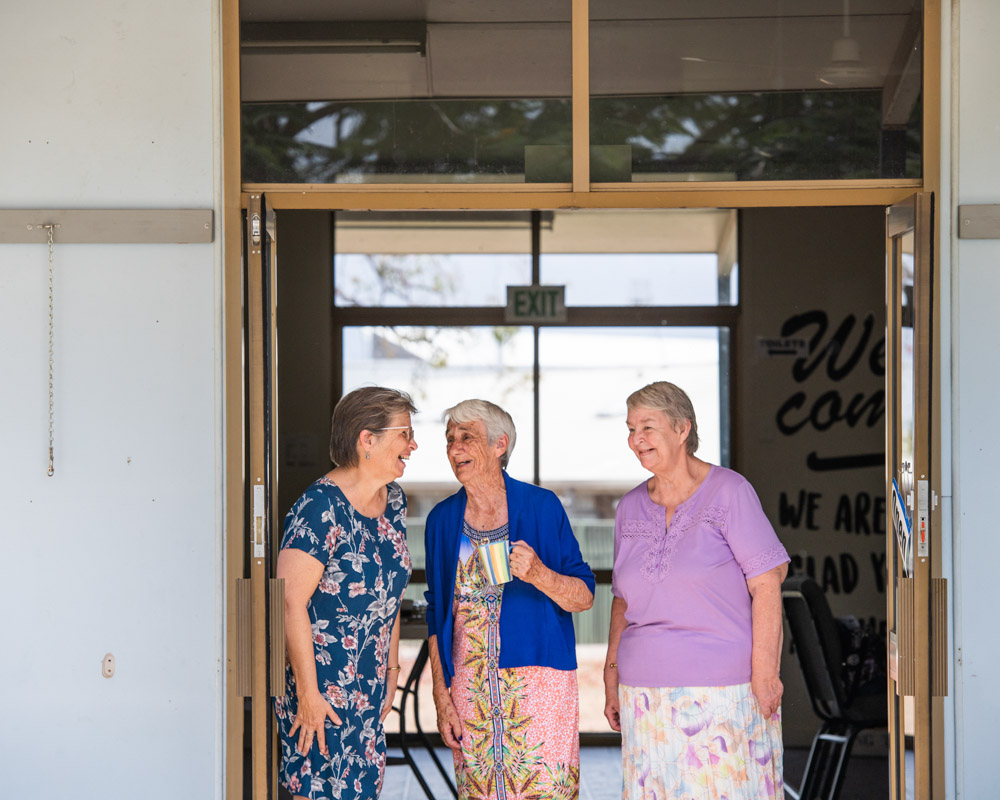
(495,558)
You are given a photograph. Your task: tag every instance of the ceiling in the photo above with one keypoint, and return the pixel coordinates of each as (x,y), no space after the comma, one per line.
(578,231)
(521,48)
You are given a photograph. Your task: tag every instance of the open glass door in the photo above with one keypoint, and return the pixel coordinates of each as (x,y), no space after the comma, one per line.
(917,592)
(263,621)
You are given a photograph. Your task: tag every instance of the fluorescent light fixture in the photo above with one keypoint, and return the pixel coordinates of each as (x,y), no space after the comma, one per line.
(440,220)
(845,67)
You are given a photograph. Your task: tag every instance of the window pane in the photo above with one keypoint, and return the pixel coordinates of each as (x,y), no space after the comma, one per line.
(430,258)
(586,374)
(641,258)
(661,279)
(793,93)
(386,279)
(591,629)
(411,141)
(470,92)
(907,389)
(440,367)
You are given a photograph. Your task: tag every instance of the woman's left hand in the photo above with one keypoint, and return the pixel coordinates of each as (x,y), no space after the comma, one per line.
(768,691)
(525,563)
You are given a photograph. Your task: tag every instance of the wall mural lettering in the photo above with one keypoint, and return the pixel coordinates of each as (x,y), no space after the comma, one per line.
(838,354)
(841,354)
(812,400)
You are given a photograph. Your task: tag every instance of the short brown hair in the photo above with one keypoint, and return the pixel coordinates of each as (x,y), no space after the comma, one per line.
(672,401)
(369,408)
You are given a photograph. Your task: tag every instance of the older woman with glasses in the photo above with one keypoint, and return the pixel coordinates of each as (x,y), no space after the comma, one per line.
(345,564)
(503,654)
(691,677)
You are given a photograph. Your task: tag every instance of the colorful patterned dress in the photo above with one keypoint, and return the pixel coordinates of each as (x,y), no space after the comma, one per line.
(367,567)
(520,736)
(699,743)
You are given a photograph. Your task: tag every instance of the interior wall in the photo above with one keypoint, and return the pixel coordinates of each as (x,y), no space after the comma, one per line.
(305,362)
(975,443)
(111,105)
(811,408)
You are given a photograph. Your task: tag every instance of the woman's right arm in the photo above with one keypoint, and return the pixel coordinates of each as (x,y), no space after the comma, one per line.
(611,706)
(301,573)
(448,722)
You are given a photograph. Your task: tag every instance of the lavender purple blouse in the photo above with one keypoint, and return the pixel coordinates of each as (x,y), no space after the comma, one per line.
(688,619)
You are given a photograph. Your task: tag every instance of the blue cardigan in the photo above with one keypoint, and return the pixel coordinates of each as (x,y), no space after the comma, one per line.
(534,631)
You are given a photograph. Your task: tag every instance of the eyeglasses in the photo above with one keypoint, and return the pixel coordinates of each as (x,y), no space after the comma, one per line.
(407,428)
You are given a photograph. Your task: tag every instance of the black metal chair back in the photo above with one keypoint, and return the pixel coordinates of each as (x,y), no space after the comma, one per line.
(817,645)
(821,656)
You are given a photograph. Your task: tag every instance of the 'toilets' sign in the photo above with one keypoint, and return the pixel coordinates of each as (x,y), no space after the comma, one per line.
(535,305)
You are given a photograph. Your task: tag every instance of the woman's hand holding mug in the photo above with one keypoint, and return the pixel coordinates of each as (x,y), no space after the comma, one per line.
(525,563)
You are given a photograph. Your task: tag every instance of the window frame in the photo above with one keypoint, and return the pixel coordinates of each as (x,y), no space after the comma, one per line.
(580,192)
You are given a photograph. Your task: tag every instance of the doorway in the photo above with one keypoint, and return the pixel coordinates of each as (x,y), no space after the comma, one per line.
(416,301)
(371,321)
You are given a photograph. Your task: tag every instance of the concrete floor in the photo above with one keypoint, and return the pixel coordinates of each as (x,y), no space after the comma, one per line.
(600,776)
(867,778)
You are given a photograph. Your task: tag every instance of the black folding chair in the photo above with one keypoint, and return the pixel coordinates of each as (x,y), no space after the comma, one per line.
(409,690)
(821,657)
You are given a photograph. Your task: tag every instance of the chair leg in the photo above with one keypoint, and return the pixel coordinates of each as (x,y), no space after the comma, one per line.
(851,734)
(812,762)
(407,756)
(430,747)
(828,756)
(421,781)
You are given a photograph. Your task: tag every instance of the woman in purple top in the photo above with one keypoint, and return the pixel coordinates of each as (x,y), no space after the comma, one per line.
(691,677)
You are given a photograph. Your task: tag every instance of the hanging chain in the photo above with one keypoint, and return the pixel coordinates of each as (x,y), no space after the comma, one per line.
(51,229)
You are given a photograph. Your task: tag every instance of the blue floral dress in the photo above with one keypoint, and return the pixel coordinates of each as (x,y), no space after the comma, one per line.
(352,613)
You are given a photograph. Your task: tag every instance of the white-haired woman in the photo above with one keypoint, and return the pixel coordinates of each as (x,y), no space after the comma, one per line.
(691,677)
(504,656)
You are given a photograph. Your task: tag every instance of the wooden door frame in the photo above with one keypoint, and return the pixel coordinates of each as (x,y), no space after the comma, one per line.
(916,602)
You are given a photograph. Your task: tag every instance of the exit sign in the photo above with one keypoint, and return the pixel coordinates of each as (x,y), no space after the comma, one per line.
(533,305)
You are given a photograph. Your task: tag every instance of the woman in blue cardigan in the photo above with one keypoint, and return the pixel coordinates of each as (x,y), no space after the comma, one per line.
(504,656)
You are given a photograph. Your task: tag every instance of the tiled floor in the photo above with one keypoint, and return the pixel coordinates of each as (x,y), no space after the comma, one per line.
(867,778)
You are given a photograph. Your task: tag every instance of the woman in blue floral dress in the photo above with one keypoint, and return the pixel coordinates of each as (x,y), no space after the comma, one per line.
(345,564)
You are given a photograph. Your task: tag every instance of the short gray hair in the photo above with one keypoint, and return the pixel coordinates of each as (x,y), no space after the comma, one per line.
(366,409)
(496,420)
(672,401)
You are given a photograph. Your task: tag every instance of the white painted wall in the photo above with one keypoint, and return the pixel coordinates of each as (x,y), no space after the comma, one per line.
(975,286)
(110,104)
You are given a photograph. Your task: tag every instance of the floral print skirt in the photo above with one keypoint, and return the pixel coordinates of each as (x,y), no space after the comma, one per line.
(701,743)
(521,725)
